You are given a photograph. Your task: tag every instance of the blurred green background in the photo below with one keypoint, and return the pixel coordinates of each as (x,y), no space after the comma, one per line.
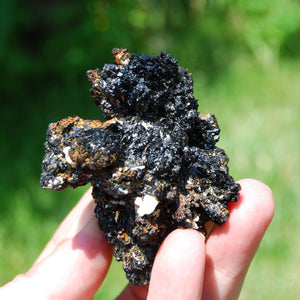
(245,60)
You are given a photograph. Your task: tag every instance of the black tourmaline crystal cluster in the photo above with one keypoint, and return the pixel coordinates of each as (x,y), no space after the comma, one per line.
(153,164)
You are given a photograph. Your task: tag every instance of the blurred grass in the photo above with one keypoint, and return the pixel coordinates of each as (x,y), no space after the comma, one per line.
(245,61)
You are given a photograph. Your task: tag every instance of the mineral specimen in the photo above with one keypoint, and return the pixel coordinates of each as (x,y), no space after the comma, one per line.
(153,164)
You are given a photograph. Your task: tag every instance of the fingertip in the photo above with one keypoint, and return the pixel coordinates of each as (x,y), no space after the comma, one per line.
(260,195)
(254,184)
(179,266)
(181,242)
(183,238)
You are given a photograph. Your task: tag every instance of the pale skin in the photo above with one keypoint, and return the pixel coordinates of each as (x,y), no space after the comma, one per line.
(75,262)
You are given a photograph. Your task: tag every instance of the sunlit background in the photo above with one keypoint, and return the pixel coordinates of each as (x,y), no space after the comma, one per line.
(245,59)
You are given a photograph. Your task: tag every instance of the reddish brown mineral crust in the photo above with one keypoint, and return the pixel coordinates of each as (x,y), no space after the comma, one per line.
(153,164)
(122,56)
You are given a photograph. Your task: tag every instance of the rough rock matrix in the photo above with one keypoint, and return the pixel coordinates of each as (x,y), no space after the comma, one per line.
(153,164)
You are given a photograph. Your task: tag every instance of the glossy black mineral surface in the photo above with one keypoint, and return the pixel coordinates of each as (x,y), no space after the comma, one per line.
(153,164)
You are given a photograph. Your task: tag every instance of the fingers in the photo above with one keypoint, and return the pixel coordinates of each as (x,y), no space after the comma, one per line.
(77,266)
(179,267)
(231,247)
(177,271)
(79,216)
(73,264)
(134,293)
(77,258)
(74,270)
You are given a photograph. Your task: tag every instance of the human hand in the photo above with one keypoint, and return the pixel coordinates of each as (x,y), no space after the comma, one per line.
(75,261)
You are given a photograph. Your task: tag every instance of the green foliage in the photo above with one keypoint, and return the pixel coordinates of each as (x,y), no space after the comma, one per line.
(244,56)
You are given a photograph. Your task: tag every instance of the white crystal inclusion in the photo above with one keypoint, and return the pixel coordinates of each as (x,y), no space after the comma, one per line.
(146,205)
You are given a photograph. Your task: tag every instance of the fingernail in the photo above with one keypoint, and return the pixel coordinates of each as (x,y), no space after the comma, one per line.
(91,228)
(89,239)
